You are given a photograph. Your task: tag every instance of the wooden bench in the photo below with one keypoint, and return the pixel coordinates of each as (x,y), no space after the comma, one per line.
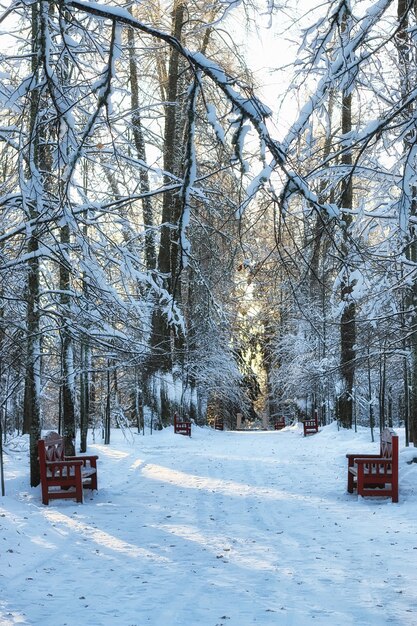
(376,474)
(218,423)
(182,427)
(279,423)
(311,426)
(64,476)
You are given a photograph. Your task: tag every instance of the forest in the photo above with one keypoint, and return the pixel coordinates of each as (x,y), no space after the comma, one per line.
(171,243)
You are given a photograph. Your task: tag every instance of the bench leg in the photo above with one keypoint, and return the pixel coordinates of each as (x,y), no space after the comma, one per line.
(350,485)
(79,493)
(78,484)
(360,481)
(44,491)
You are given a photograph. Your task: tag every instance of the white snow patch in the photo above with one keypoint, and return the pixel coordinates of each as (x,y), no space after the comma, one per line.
(233,528)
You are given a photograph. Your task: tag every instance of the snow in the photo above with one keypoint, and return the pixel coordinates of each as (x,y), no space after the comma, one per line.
(213,121)
(224,528)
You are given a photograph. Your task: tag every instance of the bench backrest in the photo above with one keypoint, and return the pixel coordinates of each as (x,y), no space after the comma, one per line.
(177,420)
(311,425)
(182,427)
(51,448)
(389,445)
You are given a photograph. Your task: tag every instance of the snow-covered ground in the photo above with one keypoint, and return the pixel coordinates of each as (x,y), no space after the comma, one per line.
(226,528)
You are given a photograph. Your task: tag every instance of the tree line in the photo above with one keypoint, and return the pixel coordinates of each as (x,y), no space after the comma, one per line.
(163,248)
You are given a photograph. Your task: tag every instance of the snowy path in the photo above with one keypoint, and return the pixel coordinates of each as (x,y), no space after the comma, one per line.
(225,528)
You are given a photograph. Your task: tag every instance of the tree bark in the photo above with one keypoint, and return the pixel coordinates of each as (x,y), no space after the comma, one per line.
(67,354)
(31,420)
(407,61)
(161,339)
(84,394)
(348,318)
(147,210)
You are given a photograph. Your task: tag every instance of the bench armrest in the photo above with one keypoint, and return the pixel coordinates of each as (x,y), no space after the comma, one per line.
(66,463)
(85,460)
(353,457)
(381,460)
(363,455)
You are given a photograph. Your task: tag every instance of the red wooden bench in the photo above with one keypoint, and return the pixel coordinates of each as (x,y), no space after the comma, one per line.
(311,426)
(64,476)
(182,427)
(376,474)
(218,424)
(279,423)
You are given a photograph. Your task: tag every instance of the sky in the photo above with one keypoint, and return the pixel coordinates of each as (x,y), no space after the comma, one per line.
(264,52)
(270,46)
(248,528)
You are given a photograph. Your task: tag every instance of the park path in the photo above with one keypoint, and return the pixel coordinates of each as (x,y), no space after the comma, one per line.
(226,528)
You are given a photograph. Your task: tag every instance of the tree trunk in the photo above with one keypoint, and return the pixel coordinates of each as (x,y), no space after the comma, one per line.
(348,318)
(162,339)
(147,210)
(67,354)
(85,350)
(407,61)
(370,399)
(84,394)
(107,411)
(382,392)
(31,420)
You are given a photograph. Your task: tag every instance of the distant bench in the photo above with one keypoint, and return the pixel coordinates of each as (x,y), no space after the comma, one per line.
(182,427)
(376,474)
(64,476)
(218,423)
(279,423)
(311,426)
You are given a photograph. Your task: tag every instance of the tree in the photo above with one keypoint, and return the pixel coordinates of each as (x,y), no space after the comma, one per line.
(143,261)
(408,205)
(36,168)
(348,317)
